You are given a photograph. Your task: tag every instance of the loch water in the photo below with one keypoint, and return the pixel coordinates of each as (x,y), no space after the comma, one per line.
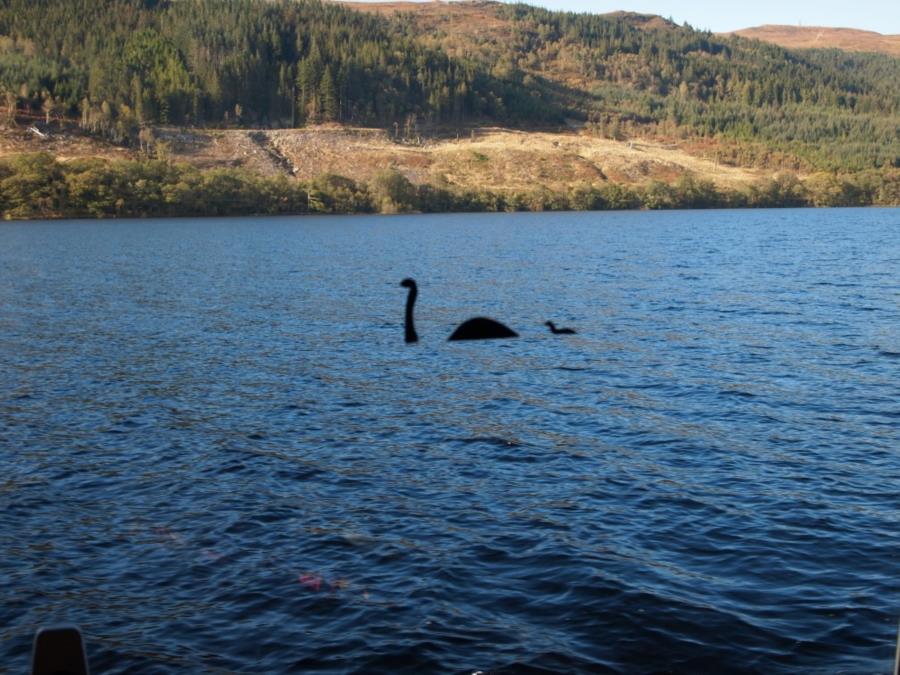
(218,455)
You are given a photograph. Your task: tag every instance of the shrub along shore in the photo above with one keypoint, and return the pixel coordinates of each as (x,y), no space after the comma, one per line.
(36,186)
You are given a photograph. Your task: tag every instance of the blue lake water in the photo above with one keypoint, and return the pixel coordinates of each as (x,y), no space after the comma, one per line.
(218,455)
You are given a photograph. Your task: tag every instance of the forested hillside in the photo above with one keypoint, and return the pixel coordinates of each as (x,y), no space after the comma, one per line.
(119,66)
(635,74)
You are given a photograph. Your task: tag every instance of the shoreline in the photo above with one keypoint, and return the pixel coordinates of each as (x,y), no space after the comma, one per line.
(40,187)
(410,214)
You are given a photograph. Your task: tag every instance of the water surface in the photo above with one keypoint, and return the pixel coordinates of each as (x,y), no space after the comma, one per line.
(217,453)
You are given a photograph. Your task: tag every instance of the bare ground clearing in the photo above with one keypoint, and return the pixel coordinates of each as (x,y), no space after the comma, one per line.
(496,159)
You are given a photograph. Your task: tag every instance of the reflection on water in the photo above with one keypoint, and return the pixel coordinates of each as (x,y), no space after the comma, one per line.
(216,451)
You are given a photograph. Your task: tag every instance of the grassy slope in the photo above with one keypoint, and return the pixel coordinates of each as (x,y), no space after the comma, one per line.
(498,159)
(811,37)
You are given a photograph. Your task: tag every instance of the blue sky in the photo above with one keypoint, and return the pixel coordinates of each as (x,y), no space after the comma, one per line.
(878,15)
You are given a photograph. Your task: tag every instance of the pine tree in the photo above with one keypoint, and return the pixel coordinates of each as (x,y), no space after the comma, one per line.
(328,95)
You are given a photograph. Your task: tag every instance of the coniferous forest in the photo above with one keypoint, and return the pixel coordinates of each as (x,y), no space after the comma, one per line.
(118,67)
(123,63)
(835,109)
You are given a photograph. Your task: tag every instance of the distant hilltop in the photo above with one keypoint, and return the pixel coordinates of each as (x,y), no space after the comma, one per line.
(790,37)
(483,10)
(817,37)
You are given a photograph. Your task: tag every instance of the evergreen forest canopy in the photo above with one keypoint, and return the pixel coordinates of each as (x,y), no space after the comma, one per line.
(119,65)
(125,63)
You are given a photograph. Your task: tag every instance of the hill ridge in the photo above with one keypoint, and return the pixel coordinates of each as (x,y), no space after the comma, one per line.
(823,37)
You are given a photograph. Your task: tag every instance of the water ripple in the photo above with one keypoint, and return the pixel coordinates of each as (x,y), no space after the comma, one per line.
(232,463)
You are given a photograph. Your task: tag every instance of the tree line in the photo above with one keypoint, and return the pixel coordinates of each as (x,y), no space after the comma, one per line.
(39,186)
